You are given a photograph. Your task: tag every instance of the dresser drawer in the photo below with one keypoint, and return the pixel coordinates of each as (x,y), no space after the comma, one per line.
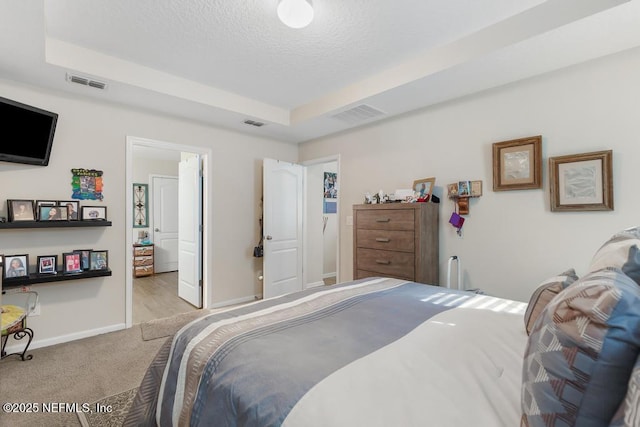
(400,240)
(142,250)
(385,219)
(397,264)
(144,270)
(143,260)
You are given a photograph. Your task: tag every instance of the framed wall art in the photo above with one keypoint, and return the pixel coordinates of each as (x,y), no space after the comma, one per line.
(582,182)
(517,164)
(20,210)
(47,264)
(140,205)
(16,266)
(93,213)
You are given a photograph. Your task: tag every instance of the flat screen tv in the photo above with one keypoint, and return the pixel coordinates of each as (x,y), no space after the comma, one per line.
(26,133)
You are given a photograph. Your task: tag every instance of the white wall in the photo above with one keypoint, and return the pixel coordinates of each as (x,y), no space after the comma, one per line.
(93,135)
(511,241)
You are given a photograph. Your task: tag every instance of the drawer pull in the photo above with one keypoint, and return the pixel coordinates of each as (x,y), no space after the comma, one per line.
(383,219)
(383,239)
(383,261)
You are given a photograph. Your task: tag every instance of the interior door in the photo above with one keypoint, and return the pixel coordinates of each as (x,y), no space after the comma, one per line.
(165,223)
(282,204)
(190,231)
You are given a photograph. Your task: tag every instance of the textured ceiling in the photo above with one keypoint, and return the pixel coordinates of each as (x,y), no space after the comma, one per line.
(222,62)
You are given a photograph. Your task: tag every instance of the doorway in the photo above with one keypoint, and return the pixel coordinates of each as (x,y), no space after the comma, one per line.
(159,164)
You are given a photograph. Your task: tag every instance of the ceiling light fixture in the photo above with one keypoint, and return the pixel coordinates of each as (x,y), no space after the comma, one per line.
(295,13)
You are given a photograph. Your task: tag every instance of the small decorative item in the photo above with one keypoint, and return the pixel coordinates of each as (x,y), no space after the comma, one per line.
(330,185)
(20,210)
(71,262)
(84,258)
(464,188)
(93,213)
(86,184)
(72,207)
(424,188)
(47,264)
(52,213)
(16,266)
(99,260)
(457,221)
(476,188)
(582,182)
(330,206)
(517,164)
(460,192)
(140,205)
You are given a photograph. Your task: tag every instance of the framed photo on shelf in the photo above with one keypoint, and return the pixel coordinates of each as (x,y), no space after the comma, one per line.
(20,210)
(582,182)
(84,258)
(476,188)
(424,187)
(93,213)
(16,266)
(71,262)
(47,264)
(43,203)
(52,213)
(72,208)
(99,260)
(517,164)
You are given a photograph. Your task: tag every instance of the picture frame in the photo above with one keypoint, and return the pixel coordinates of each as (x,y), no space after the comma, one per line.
(15,266)
(47,264)
(52,213)
(330,185)
(99,260)
(581,182)
(140,205)
(517,164)
(20,210)
(464,188)
(43,203)
(93,213)
(73,209)
(71,262)
(476,188)
(424,187)
(84,258)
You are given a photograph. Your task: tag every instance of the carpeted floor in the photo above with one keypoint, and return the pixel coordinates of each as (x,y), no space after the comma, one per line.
(108,412)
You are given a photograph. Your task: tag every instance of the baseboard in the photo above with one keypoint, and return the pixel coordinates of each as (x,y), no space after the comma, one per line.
(236,301)
(327,275)
(314,284)
(36,343)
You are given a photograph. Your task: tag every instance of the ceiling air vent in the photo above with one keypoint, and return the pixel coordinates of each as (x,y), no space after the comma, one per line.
(86,81)
(253,123)
(358,114)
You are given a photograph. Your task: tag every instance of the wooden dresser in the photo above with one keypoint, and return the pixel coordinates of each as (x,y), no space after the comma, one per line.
(142,260)
(396,240)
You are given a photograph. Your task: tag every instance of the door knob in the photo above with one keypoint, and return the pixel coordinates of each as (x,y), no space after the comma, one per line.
(268,237)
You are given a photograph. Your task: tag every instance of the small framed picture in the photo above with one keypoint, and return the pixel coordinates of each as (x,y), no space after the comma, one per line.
(52,213)
(99,260)
(476,188)
(84,258)
(20,210)
(464,188)
(93,213)
(424,187)
(72,208)
(43,203)
(71,262)
(47,264)
(16,266)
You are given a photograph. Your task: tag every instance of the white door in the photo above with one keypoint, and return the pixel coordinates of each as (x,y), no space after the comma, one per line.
(165,223)
(190,231)
(282,204)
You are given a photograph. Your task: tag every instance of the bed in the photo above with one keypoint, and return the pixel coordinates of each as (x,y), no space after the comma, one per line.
(381,352)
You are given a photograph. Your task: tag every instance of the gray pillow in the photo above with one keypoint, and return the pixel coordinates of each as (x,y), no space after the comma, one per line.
(545,292)
(620,251)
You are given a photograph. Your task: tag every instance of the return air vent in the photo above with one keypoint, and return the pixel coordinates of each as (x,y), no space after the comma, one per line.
(86,81)
(358,114)
(253,123)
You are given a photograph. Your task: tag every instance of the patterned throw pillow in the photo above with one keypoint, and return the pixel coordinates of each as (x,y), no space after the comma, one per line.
(544,294)
(629,413)
(581,352)
(622,251)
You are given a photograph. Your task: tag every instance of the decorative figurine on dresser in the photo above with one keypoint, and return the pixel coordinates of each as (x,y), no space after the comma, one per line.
(396,240)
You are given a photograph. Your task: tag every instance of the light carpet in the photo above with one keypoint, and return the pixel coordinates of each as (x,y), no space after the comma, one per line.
(160,328)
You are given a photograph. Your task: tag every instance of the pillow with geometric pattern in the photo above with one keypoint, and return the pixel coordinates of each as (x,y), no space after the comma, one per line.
(581,351)
(622,251)
(628,414)
(544,294)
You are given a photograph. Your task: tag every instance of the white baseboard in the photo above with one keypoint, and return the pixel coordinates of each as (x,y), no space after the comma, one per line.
(327,275)
(314,284)
(36,343)
(236,301)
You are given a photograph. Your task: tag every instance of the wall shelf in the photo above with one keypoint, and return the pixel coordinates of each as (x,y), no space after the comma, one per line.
(33,279)
(52,224)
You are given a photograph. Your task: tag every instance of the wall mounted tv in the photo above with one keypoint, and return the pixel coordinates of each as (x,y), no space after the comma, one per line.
(26,133)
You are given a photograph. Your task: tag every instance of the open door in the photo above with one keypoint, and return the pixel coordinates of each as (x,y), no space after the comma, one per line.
(283,214)
(165,223)
(190,231)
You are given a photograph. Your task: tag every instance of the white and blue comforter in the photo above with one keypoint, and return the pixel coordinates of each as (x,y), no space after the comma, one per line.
(376,352)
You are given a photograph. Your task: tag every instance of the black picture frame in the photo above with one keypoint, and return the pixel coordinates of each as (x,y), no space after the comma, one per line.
(99,260)
(84,258)
(20,210)
(43,203)
(47,264)
(73,209)
(20,269)
(52,213)
(71,262)
(93,213)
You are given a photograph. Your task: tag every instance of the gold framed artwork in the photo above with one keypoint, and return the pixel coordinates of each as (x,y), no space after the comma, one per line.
(582,182)
(424,187)
(517,164)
